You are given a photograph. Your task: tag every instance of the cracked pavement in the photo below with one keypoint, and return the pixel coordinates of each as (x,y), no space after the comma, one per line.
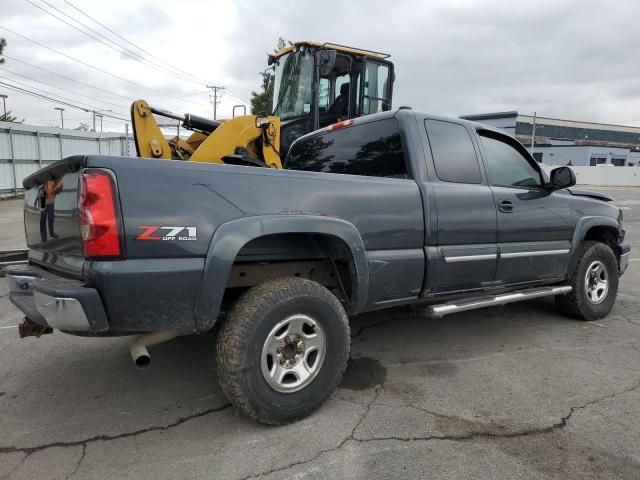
(510,392)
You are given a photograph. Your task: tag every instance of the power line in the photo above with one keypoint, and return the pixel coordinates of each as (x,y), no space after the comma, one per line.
(45,91)
(67,78)
(63,89)
(120,49)
(44,97)
(49,93)
(230,95)
(134,44)
(96,68)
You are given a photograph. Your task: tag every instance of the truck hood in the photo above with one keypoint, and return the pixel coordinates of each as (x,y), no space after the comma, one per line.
(588,193)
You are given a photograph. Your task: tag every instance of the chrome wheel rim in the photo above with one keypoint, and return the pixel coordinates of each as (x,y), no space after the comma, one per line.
(293,353)
(596,282)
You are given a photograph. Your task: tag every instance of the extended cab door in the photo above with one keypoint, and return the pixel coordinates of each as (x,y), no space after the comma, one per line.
(461,242)
(534,223)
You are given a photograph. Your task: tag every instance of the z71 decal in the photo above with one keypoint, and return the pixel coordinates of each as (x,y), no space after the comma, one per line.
(156,232)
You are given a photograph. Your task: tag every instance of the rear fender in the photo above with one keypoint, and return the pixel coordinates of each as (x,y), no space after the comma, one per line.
(230,237)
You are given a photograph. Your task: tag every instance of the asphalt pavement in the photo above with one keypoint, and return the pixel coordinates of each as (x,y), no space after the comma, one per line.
(508,392)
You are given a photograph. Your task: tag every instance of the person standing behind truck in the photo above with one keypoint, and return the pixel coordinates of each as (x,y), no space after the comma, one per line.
(49,191)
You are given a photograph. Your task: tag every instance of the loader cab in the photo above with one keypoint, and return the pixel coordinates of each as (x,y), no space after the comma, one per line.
(316,85)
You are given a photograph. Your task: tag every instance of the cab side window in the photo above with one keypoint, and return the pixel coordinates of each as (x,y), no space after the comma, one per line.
(506,166)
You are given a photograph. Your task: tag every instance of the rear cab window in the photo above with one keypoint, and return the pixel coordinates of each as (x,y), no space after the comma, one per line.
(372,149)
(454,156)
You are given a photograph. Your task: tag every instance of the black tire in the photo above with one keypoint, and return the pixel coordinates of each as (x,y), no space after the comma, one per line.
(577,303)
(251,321)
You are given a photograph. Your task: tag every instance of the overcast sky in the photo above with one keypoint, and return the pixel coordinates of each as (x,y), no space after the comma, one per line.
(571,59)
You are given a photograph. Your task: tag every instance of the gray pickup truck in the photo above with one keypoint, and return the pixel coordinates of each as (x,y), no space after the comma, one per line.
(390,209)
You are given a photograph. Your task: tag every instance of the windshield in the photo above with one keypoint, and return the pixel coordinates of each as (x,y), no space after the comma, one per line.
(292,88)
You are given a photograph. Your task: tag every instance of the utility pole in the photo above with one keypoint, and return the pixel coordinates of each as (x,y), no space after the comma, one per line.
(215,89)
(533,132)
(97,112)
(61,116)
(4,103)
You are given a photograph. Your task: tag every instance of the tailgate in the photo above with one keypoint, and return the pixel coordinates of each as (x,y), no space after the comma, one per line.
(51,221)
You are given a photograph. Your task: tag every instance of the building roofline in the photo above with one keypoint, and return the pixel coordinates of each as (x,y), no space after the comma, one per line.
(546,145)
(600,124)
(540,119)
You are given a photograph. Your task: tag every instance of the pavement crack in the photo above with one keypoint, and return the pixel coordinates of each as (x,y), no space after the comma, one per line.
(472,435)
(633,322)
(16,467)
(80,460)
(106,438)
(349,437)
(393,317)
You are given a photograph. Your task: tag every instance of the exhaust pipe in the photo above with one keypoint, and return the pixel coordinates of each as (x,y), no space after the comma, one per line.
(138,348)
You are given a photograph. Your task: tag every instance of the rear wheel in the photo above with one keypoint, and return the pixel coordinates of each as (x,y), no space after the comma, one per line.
(283,349)
(595,283)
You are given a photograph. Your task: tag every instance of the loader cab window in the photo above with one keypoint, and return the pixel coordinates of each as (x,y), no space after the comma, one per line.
(372,149)
(334,93)
(324,94)
(376,88)
(293,85)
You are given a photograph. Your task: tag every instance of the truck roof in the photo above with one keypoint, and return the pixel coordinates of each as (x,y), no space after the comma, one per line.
(408,111)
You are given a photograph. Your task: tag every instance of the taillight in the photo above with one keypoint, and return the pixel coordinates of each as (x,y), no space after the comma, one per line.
(97,214)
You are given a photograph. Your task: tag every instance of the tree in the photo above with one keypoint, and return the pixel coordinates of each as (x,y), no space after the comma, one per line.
(6,117)
(9,118)
(83,127)
(261,101)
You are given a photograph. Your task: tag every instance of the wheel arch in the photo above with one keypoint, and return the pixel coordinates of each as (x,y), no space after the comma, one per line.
(599,228)
(230,238)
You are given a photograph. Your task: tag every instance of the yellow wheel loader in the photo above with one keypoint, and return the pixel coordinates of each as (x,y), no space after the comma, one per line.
(315,85)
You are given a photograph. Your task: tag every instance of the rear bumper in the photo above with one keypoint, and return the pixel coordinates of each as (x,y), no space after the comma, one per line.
(56,302)
(625,254)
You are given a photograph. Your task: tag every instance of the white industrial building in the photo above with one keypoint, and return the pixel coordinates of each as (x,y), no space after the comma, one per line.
(569,142)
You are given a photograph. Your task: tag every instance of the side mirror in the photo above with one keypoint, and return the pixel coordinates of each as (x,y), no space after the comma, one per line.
(562,177)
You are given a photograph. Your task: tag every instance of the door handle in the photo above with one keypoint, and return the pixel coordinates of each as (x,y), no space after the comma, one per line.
(505,206)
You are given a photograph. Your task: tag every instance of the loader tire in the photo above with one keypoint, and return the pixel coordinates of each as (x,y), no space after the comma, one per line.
(282,349)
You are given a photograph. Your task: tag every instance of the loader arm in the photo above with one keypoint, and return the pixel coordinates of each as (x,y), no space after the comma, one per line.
(210,141)
(150,142)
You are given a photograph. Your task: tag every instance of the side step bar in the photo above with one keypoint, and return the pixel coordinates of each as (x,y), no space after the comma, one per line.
(490,301)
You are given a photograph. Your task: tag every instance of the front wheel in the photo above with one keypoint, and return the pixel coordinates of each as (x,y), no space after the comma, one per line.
(595,283)
(283,349)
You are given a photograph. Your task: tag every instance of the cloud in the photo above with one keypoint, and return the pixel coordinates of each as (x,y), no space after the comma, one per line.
(570,59)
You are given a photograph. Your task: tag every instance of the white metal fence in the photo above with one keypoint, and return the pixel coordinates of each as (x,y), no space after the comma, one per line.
(26,148)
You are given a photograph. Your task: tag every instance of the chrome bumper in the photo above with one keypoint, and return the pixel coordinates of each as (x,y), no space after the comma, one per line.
(56,302)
